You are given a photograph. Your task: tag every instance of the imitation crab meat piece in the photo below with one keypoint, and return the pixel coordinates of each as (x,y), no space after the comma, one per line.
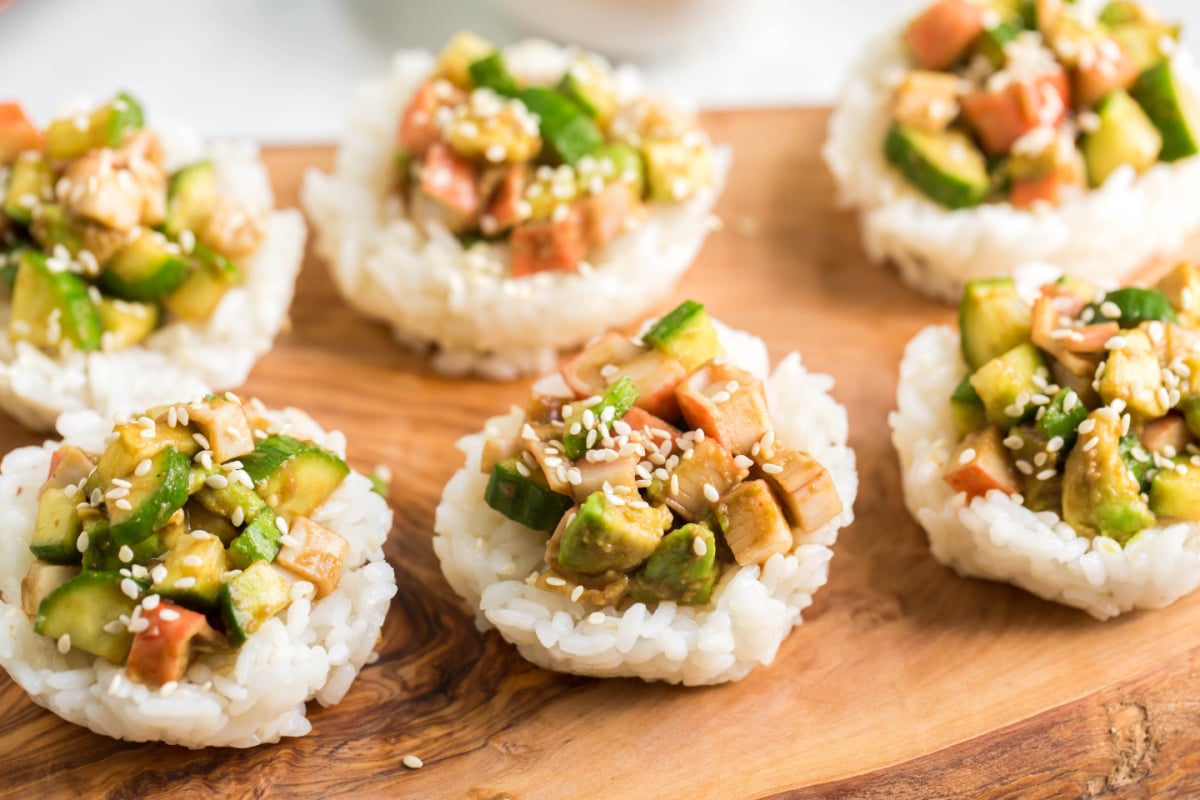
(1026,192)
(754,526)
(594,474)
(504,209)
(315,554)
(450,182)
(585,372)
(942,34)
(554,245)
(803,486)
(656,376)
(17,132)
(698,482)
(728,403)
(68,465)
(927,101)
(605,214)
(1112,68)
(419,128)
(160,653)
(646,424)
(1169,433)
(497,450)
(1075,348)
(224,424)
(980,464)
(1002,115)
(551,461)
(97,187)
(233,229)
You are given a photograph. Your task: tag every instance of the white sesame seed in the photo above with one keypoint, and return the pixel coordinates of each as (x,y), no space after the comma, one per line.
(554,580)
(143,467)
(775,469)
(1055,444)
(184,583)
(151,602)
(82,541)
(64,643)
(282,525)
(125,554)
(596,618)
(412,762)
(1087,426)
(124,505)
(1014,442)
(576,593)
(699,546)
(710,493)
(217,481)
(130,589)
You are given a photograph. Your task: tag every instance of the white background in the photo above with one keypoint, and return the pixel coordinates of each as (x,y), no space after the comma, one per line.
(280,70)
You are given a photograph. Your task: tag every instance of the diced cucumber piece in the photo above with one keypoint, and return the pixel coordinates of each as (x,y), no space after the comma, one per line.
(1137,305)
(686,334)
(50,307)
(103,553)
(191,198)
(30,184)
(967,408)
(1063,417)
(1125,136)
(145,269)
(1004,379)
(590,86)
(57,527)
(252,598)
(491,72)
(152,498)
(620,397)
(946,167)
(1172,108)
(107,126)
(294,477)
(258,541)
(524,496)
(228,500)
(568,131)
(52,227)
(211,276)
(200,518)
(194,567)
(129,448)
(992,319)
(81,608)
(126,322)
(628,166)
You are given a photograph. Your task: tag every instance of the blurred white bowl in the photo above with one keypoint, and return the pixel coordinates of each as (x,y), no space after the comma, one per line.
(622,28)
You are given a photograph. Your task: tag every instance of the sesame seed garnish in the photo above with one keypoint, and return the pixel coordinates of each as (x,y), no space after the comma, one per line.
(576,593)
(151,602)
(217,481)
(554,580)
(125,554)
(596,618)
(64,643)
(238,517)
(82,541)
(1014,442)
(699,546)
(412,762)
(142,468)
(710,493)
(168,615)
(775,469)
(124,505)
(282,525)
(158,574)
(130,589)
(185,583)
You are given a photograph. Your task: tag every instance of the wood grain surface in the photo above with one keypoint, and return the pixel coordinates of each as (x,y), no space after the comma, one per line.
(904,681)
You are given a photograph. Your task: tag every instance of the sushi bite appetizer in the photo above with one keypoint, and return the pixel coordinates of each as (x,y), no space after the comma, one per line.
(137,265)
(663,508)
(192,575)
(994,133)
(496,206)
(1054,441)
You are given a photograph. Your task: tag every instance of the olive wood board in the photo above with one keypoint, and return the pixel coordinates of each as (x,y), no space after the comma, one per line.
(905,680)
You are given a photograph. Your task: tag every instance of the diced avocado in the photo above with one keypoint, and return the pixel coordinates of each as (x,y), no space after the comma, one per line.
(589,84)
(570,134)
(675,168)
(679,569)
(294,477)
(194,567)
(1120,12)
(192,197)
(152,498)
(42,579)
(1062,417)
(1125,136)
(1176,492)
(126,322)
(621,396)
(1041,491)
(946,167)
(626,163)
(130,447)
(250,599)
(1172,108)
(1181,286)
(491,72)
(52,306)
(211,276)
(455,60)
(1137,306)
(258,541)
(522,495)
(966,408)
(1099,492)
(1132,373)
(992,319)
(30,184)
(107,126)
(200,518)
(686,334)
(145,269)
(604,536)
(57,527)
(81,609)
(104,554)
(1006,378)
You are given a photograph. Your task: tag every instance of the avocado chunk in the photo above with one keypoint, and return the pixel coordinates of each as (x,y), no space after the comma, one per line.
(294,477)
(683,568)
(686,334)
(57,527)
(603,536)
(1062,418)
(1136,306)
(523,495)
(1172,108)
(569,133)
(192,197)
(1132,373)
(152,498)
(30,184)
(50,307)
(250,599)
(1100,494)
(992,319)
(946,167)
(1125,136)
(1175,492)
(676,168)
(80,610)
(588,83)
(578,437)
(106,126)
(627,165)
(258,541)
(125,322)
(146,269)
(194,566)
(463,49)
(1008,378)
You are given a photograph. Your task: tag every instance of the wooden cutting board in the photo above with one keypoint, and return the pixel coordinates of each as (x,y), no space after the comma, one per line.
(904,680)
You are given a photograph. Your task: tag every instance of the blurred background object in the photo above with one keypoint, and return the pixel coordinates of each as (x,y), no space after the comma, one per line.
(281,70)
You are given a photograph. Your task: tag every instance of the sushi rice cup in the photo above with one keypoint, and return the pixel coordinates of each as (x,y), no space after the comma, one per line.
(486,558)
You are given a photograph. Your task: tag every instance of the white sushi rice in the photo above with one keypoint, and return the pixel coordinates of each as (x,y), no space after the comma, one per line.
(487,557)
(995,537)
(1103,233)
(182,359)
(457,303)
(313,650)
